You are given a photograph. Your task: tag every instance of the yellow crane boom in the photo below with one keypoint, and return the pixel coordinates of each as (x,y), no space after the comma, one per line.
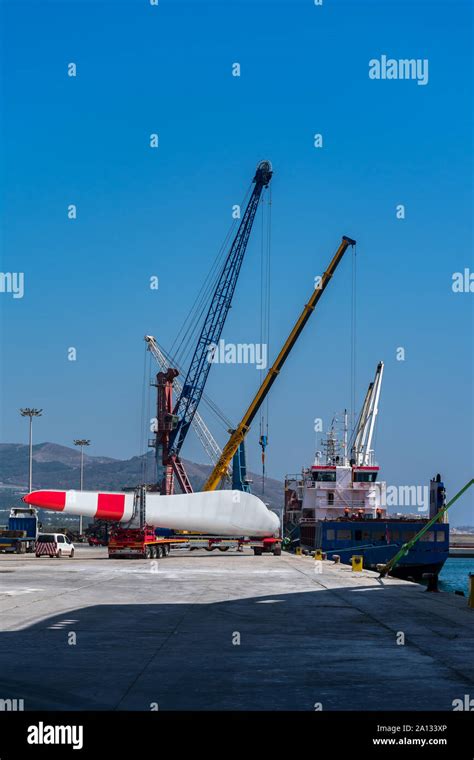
(238,435)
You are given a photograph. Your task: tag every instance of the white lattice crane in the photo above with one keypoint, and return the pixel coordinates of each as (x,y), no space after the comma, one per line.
(209,443)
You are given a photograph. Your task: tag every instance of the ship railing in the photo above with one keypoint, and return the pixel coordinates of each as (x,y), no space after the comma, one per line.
(307,520)
(351,505)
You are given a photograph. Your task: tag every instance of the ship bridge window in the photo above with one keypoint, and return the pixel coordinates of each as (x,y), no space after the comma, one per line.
(324,476)
(365,477)
(344,535)
(330,498)
(428,536)
(330,534)
(441,535)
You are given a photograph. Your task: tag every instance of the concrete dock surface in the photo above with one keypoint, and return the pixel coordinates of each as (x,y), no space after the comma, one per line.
(213,631)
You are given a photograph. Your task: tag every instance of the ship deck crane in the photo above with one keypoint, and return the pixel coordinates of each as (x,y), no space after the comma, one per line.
(361,450)
(242,429)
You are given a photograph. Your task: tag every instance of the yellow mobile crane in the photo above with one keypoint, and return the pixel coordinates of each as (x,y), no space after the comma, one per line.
(238,435)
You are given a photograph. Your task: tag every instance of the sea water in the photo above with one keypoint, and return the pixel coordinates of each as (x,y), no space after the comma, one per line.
(455,574)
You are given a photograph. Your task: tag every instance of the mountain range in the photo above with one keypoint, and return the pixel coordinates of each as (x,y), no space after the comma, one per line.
(56,466)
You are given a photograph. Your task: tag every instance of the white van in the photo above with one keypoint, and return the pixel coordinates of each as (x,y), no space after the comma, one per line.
(54,545)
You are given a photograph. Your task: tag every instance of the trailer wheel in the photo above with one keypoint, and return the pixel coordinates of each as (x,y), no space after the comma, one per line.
(277,551)
(257,551)
(223,548)
(159,551)
(167,549)
(72,554)
(147,552)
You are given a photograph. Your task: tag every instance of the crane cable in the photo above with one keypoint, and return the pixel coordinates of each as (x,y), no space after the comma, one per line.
(184,342)
(226,423)
(185,338)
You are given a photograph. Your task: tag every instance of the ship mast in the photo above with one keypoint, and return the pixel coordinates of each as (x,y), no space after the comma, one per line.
(332,446)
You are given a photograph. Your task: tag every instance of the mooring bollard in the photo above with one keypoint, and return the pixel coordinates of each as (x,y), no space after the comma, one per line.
(432,579)
(357,562)
(336,558)
(470,600)
(298,551)
(318,554)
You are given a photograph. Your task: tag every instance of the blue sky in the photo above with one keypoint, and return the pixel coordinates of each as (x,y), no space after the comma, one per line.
(165,212)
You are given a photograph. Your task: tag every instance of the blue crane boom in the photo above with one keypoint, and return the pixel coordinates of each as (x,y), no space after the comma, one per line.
(193,386)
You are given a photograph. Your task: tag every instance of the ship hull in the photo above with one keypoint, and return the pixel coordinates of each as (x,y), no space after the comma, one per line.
(416,572)
(378,541)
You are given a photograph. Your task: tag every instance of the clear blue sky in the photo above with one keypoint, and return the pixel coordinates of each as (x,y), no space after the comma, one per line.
(141,212)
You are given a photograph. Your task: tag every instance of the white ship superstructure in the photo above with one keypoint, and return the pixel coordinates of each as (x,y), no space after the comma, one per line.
(343,479)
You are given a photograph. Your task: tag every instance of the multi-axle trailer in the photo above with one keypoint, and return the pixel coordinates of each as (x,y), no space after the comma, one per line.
(143,543)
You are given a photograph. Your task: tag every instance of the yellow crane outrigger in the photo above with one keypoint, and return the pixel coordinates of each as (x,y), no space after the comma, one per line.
(238,435)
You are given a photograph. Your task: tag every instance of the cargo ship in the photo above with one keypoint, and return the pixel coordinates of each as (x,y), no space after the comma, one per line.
(340,506)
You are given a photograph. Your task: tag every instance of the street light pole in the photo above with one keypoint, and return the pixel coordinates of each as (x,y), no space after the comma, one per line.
(30,412)
(82,468)
(81,442)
